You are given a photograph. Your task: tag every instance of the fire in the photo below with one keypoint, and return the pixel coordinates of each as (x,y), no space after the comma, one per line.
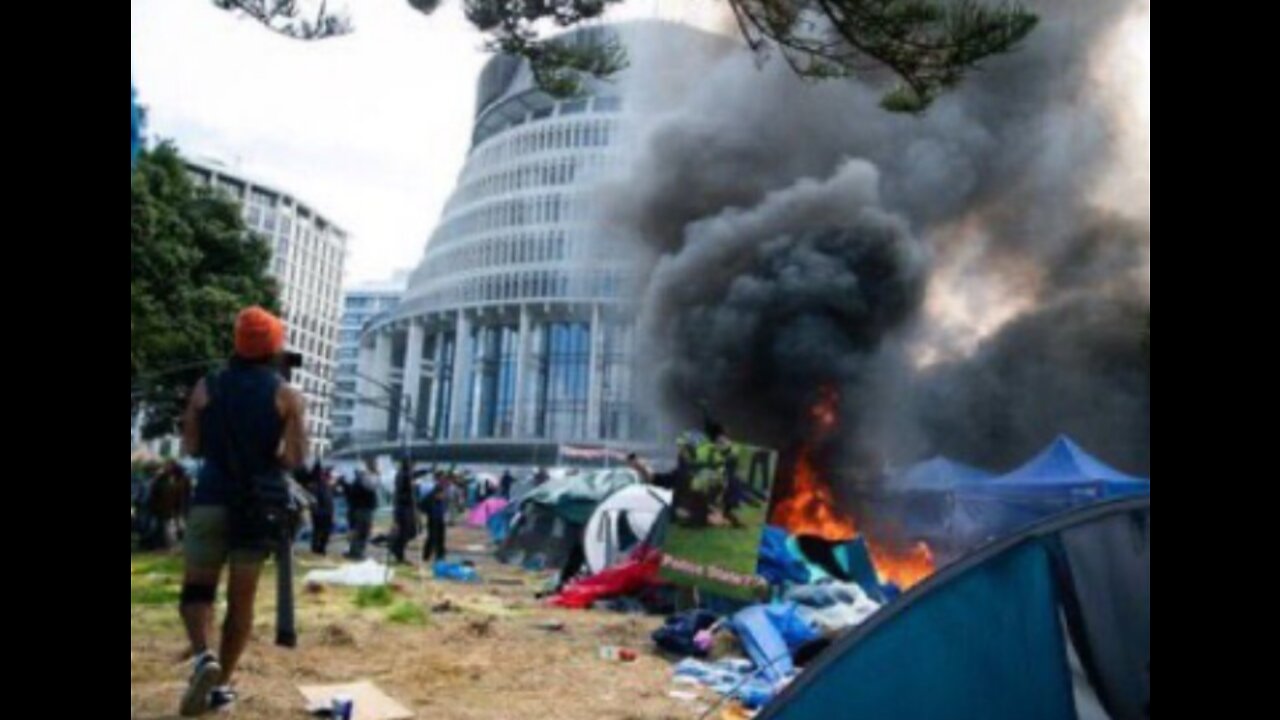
(812,510)
(905,569)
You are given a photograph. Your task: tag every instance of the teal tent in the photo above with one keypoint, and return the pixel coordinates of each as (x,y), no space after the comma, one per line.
(550,521)
(1052,624)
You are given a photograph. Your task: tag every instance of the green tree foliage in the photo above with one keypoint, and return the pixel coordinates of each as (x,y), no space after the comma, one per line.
(927,45)
(924,46)
(287,17)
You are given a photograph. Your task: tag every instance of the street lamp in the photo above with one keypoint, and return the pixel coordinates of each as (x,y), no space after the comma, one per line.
(408,421)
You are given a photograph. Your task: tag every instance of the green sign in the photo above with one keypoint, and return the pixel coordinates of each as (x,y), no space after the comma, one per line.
(721,509)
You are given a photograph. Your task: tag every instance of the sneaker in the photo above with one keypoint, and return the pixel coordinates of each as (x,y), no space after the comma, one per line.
(222,699)
(204,679)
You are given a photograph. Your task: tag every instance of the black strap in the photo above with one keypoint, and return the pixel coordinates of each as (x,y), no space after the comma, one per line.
(235,465)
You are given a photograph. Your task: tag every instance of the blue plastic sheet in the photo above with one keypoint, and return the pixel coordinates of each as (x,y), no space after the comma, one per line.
(766,647)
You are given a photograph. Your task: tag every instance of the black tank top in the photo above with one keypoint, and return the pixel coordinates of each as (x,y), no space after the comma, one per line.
(244,397)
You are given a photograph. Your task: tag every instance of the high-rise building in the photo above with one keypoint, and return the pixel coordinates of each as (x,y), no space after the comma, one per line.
(361,305)
(308,256)
(514,343)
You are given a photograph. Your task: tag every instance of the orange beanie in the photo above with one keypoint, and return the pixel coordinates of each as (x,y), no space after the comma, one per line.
(259,334)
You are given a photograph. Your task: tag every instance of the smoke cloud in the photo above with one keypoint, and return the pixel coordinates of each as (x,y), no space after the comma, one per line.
(974,281)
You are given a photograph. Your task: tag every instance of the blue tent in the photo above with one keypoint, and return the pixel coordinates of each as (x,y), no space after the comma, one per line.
(939,475)
(1066,471)
(921,504)
(1052,624)
(1060,479)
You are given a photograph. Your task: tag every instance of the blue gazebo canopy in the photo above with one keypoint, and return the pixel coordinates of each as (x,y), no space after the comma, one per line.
(940,475)
(1066,470)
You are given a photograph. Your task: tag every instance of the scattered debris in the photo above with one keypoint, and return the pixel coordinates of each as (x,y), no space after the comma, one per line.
(456,572)
(370,702)
(610,653)
(366,574)
(551,626)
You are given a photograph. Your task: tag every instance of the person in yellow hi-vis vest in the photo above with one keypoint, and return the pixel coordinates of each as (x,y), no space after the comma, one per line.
(710,461)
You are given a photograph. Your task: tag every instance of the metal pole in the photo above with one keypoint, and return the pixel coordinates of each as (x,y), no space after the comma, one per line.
(286,621)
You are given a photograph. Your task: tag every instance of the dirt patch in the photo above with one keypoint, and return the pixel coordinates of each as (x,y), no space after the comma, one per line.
(445,670)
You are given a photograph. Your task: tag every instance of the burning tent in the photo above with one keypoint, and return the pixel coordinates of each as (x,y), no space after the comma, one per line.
(1053,624)
(827,536)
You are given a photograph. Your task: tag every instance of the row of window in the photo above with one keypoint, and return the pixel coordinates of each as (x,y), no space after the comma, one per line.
(544,174)
(498,123)
(518,249)
(301,321)
(268,222)
(302,302)
(368,305)
(266,213)
(548,137)
(308,263)
(558,389)
(311,345)
(525,286)
(514,213)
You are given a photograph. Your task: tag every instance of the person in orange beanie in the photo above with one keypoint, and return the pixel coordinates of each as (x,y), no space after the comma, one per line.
(247,423)
(259,335)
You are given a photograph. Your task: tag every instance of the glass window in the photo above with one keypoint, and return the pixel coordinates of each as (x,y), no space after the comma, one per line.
(444,398)
(564,385)
(494,381)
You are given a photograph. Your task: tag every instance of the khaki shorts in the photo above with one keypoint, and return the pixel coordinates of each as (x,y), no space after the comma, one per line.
(208,546)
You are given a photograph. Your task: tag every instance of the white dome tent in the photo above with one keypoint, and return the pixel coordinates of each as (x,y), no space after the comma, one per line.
(621,523)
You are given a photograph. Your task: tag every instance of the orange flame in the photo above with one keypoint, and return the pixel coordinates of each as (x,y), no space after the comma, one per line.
(812,511)
(905,569)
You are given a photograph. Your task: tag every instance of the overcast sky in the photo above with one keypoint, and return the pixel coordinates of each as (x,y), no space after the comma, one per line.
(371,128)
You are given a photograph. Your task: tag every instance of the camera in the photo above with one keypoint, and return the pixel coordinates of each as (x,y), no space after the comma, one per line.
(289,362)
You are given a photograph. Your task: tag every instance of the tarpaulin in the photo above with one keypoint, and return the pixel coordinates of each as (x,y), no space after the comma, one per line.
(629,578)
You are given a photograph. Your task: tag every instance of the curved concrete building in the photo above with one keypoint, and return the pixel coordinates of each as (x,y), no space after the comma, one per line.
(514,342)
